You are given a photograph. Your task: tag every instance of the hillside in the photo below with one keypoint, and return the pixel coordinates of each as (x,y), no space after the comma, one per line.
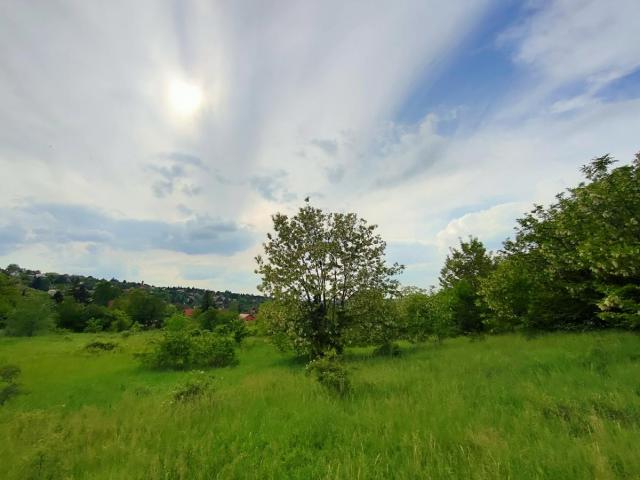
(180,296)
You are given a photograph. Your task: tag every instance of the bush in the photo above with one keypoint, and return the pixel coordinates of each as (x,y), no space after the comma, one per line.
(33,315)
(98,345)
(182,350)
(177,322)
(330,372)
(93,326)
(8,373)
(120,321)
(8,376)
(388,350)
(195,387)
(224,323)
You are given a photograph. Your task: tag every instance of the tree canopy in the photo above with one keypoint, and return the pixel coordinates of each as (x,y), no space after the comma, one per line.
(316,262)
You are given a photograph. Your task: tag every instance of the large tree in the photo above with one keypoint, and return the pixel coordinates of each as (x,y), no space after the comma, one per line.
(463,270)
(315,263)
(575,263)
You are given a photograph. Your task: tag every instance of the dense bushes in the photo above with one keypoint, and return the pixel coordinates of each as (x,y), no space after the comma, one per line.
(183,347)
(32,315)
(223,322)
(576,263)
(77,317)
(329,371)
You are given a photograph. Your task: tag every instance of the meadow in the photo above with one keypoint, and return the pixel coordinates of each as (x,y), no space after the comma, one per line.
(556,406)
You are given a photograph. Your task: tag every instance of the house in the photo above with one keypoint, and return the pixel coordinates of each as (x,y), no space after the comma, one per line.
(188,312)
(247,317)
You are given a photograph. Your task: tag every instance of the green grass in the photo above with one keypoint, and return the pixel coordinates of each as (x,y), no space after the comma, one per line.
(558,406)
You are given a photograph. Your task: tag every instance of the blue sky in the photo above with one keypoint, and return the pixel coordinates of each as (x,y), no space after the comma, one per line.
(152,140)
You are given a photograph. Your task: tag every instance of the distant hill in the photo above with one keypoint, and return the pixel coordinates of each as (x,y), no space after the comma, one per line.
(178,295)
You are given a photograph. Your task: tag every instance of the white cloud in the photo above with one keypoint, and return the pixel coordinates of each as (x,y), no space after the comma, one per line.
(299,100)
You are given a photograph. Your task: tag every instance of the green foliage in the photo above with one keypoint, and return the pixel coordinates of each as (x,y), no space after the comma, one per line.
(195,387)
(120,321)
(9,373)
(468,411)
(100,346)
(31,316)
(463,271)
(469,262)
(314,264)
(183,349)
(104,292)
(427,314)
(329,370)
(9,382)
(143,307)
(94,325)
(70,315)
(390,349)
(223,322)
(279,323)
(374,319)
(576,263)
(178,322)
(9,295)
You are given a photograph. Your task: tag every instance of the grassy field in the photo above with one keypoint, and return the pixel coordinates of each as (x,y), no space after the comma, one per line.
(558,406)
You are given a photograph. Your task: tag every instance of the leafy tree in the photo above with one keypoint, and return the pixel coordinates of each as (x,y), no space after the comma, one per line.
(470,262)
(31,316)
(427,314)
(104,292)
(40,282)
(374,319)
(462,273)
(71,315)
(576,263)
(314,264)
(144,308)
(207,301)
(9,296)
(80,293)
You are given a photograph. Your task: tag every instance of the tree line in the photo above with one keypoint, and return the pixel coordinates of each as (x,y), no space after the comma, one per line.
(572,265)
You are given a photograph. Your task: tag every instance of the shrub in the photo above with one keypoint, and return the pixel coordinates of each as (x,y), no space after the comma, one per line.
(8,373)
(388,350)
(182,350)
(177,322)
(195,387)
(8,391)
(330,372)
(93,326)
(8,376)
(98,345)
(32,315)
(120,321)
(224,323)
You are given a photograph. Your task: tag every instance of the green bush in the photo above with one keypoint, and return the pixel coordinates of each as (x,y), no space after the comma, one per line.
(120,321)
(32,315)
(388,350)
(8,384)
(183,350)
(99,345)
(8,373)
(93,326)
(193,388)
(329,371)
(224,323)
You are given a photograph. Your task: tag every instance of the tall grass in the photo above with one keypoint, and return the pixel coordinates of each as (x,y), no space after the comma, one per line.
(558,406)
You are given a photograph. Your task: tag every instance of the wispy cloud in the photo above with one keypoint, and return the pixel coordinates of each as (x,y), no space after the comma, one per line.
(96,157)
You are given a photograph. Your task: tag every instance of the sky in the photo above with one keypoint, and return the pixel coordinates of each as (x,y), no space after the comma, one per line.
(153,140)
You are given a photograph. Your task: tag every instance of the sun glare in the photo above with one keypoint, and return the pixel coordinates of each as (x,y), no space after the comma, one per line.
(185,98)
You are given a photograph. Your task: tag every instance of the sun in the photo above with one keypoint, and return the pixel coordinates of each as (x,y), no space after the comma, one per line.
(185,98)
